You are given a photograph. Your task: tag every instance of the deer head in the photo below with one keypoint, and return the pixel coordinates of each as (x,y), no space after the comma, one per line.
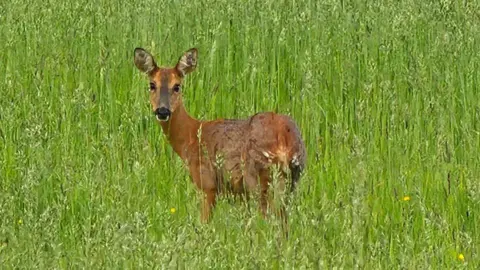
(165,83)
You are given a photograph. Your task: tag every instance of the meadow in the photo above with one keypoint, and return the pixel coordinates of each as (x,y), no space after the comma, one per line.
(386,94)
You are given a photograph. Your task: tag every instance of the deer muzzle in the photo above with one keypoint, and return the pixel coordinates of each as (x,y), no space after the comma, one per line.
(162,114)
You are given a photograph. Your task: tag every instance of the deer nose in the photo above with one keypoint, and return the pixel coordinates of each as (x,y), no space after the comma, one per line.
(162,114)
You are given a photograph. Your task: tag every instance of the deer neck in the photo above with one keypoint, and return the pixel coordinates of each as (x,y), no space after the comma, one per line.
(181,130)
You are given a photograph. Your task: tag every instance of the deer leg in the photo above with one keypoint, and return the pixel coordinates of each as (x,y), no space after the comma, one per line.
(209,201)
(265,201)
(205,181)
(284,220)
(283,200)
(278,204)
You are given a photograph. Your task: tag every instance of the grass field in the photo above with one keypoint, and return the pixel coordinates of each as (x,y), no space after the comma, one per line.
(386,94)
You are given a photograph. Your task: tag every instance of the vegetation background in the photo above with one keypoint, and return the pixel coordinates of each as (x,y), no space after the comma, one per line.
(385,94)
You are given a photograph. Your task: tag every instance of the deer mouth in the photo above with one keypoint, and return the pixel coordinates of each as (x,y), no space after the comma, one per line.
(162,118)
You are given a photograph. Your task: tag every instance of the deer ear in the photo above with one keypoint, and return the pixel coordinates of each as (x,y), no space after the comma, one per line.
(188,62)
(144,61)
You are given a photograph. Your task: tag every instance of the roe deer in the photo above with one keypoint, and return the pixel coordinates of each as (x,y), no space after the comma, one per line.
(248,148)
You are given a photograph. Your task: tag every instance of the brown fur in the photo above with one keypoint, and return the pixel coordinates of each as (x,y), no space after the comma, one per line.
(235,156)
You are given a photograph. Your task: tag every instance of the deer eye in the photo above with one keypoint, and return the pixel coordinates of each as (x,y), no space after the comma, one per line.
(152,86)
(176,87)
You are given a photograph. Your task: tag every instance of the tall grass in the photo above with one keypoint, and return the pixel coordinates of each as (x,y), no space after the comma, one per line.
(386,95)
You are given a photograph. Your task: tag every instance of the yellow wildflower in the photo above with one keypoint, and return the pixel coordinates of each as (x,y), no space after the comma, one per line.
(461,257)
(20,221)
(406,198)
(173,210)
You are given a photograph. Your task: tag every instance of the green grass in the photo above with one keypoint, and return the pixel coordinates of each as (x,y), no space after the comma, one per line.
(385,93)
